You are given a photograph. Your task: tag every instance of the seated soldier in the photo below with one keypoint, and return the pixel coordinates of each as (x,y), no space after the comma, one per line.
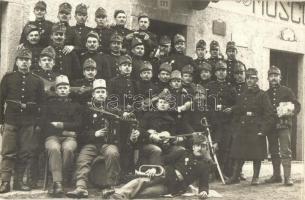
(163,77)
(187,78)
(60,119)
(177,176)
(98,141)
(205,70)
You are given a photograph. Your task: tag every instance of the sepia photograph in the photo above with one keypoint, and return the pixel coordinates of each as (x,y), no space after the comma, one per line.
(152,99)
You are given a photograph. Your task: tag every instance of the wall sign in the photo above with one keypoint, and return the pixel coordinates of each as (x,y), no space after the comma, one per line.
(288,35)
(164,4)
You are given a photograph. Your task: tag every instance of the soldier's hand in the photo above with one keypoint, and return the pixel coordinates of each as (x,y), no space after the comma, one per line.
(151,172)
(100,133)
(178,140)
(227,110)
(146,36)
(126,115)
(203,195)
(58,124)
(68,49)
(129,36)
(20,46)
(134,135)
(215,146)
(155,137)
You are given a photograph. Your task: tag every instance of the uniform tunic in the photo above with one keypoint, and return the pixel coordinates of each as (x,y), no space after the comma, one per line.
(81,30)
(180,60)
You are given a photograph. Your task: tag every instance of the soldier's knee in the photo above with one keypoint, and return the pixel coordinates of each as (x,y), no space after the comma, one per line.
(53,148)
(112,153)
(156,150)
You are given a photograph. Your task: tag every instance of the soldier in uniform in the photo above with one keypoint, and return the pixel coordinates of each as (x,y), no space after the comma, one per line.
(102,29)
(215,57)
(252,118)
(205,73)
(187,73)
(137,55)
(280,134)
(92,51)
(231,61)
(178,57)
(81,16)
(201,52)
(60,120)
(66,64)
(98,140)
(22,93)
(180,172)
(163,77)
(44,26)
(239,70)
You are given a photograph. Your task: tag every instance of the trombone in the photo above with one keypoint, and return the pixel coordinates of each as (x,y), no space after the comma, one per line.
(143,168)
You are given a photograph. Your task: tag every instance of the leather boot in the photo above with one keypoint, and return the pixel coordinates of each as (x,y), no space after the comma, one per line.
(256,170)
(18,180)
(287,172)
(58,190)
(236,172)
(5,187)
(276,177)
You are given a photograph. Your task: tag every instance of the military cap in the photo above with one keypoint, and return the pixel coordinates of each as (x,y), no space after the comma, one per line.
(231,45)
(135,42)
(62,80)
(124,59)
(274,70)
(205,66)
(165,95)
(145,66)
(165,40)
(142,15)
(239,67)
(178,38)
(199,138)
(251,72)
(41,5)
(166,67)
(100,12)
(58,27)
(89,63)
(48,51)
(220,65)
(93,34)
(187,69)
(24,53)
(99,83)
(65,8)
(176,74)
(201,44)
(29,28)
(214,45)
(116,37)
(116,12)
(82,9)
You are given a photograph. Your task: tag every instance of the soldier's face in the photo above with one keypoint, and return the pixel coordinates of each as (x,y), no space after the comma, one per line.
(187,78)
(138,50)
(125,68)
(92,44)
(121,19)
(62,90)
(165,49)
(90,73)
(64,16)
(231,53)
(251,81)
(39,13)
(146,75)
(164,76)
(175,83)
(46,63)
(205,75)
(201,52)
(81,18)
(162,105)
(221,74)
(180,46)
(58,38)
(100,94)
(116,46)
(240,76)
(274,79)
(101,21)
(199,149)
(144,23)
(23,64)
(33,37)
(214,52)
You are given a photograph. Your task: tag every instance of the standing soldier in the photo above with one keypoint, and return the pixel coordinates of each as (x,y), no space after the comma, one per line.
(239,77)
(279,138)
(44,26)
(201,51)
(231,61)
(102,29)
(252,118)
(81,16)
(137,55)
(215,57)
(22,93)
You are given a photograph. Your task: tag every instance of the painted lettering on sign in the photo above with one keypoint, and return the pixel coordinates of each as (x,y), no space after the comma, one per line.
(287,11)
(164,4)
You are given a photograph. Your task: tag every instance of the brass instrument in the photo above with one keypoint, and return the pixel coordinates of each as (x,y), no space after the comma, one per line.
(143,168)
(48,85)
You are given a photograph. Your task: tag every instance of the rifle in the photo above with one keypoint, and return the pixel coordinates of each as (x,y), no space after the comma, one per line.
(204,123)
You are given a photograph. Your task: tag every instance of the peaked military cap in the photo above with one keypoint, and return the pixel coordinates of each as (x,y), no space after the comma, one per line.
(165,67)
(189,69)
(24,53)
(165,40)
(48,51)
(82,9)
(41,5)
(58,27)
(201,44)
(179,38)
(89,63)
(220,65)
(99,83)
(205,66)
(231,45)
(100,12)
(93,34)
(251,72)
(135,42)
(65,7)
(62,80)
(274,70)
(176,74)
(116,37)
(214,45)
(145,66)
(124,59)
(29,28)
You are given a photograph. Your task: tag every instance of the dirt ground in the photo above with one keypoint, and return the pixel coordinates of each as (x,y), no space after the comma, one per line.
(242,191)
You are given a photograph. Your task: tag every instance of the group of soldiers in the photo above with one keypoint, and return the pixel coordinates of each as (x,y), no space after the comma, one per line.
(126,98)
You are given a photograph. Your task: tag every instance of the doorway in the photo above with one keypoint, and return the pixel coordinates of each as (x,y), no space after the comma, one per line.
(288,64)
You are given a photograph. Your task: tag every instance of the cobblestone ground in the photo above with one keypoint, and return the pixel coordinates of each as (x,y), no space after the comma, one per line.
(242,191)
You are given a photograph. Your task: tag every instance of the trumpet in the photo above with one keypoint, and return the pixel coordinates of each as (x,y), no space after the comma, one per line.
(144,168)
